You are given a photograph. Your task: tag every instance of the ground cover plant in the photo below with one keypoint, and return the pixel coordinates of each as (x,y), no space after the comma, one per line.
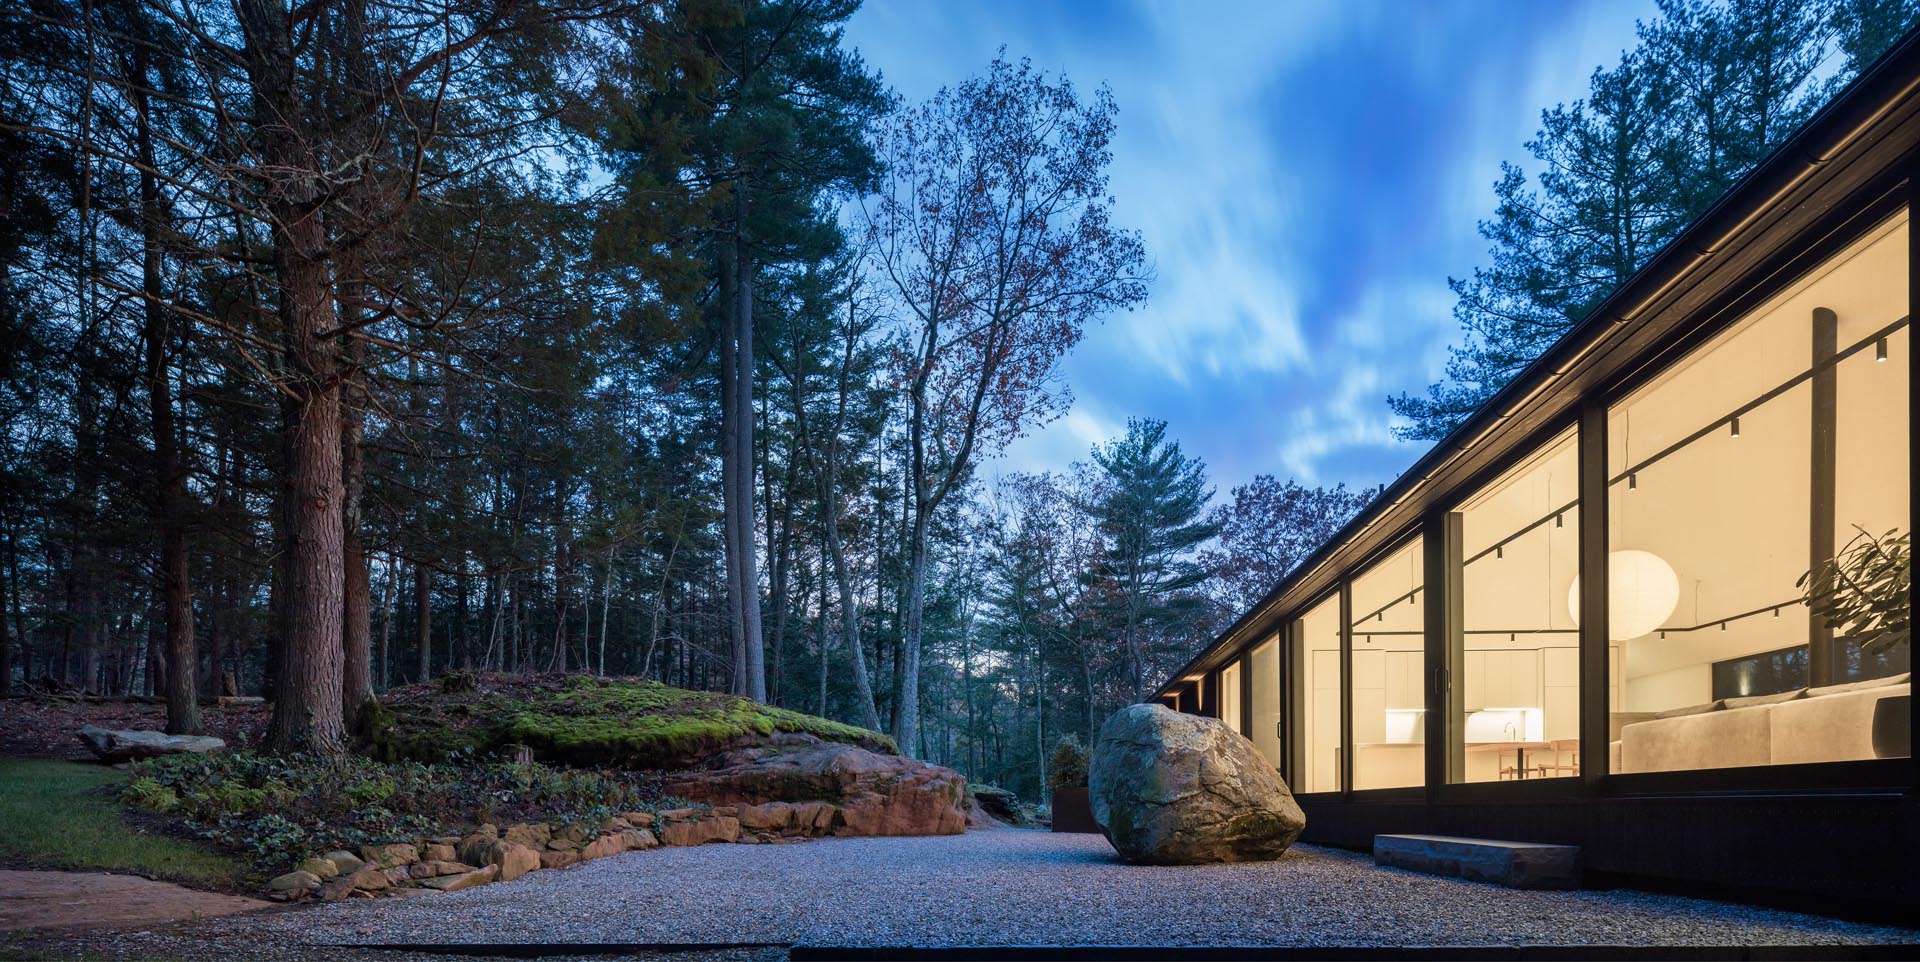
(275,810)
(63,815)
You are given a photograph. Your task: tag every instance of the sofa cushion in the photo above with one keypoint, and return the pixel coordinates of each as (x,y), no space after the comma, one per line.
(1830,728)
(1708,739)
(1900,679)
(1714,705)
(1748,701)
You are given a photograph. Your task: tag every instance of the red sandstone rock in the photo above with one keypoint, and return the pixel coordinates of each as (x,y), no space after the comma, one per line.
(875,794)
(721,828)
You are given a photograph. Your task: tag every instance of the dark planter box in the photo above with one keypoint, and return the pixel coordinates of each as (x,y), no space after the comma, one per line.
(1893,727)
(1071,813)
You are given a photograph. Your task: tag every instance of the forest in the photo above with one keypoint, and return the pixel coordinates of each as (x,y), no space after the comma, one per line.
(353,342)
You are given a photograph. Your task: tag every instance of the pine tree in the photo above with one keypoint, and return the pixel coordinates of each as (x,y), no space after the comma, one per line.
(1712,87)
(1151,510)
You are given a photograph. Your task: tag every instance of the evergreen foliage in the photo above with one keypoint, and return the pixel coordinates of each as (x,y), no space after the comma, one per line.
(1711,89)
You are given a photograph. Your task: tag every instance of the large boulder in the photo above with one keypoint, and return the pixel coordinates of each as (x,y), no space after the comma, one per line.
(1176,789)
(876,794)
(127,746)
(993,805)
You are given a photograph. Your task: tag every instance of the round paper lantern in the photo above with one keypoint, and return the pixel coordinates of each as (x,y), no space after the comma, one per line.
(1643,595)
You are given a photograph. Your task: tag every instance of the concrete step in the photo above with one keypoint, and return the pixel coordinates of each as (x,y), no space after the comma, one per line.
(1520,865)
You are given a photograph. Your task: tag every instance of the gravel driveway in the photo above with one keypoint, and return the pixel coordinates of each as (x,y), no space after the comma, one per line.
(1015,887)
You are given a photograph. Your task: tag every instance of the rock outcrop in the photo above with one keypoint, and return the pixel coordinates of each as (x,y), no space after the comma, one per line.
(130,746)
(873,794)
(1176,789)
(993,806)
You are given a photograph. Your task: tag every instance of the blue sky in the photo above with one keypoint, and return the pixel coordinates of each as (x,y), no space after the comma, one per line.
(1306,177)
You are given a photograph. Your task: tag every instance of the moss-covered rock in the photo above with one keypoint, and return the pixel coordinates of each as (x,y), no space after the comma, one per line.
(583,720)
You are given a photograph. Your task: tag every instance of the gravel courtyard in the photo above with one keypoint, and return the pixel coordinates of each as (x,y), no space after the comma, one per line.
(1016,887)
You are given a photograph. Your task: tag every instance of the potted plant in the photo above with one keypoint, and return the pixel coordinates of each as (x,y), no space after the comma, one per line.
(1864,593)
(1068,781)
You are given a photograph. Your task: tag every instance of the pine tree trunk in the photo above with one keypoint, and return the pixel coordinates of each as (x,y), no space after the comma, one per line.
(170,477)
(307,713)
(356,682)
(729,483)
(743,423)
(390,597)
(906,715)
(423,620)
(306,710)
(6,637)
(822,639)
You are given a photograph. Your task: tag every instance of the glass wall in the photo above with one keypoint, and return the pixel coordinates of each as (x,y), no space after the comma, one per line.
(1517,707)
(1230,696)
(1744,468)
(1265,665)
(1389,669)
(1314,657)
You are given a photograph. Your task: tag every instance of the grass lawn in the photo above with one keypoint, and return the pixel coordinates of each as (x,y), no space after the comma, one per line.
(58,815)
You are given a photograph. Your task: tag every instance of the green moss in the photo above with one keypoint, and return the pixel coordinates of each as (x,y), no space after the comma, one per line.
(585,720)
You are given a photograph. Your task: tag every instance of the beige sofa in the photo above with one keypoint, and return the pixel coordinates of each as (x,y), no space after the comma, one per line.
(1829,724)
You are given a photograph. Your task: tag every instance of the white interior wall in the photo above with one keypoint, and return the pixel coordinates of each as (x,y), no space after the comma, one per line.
(1730,514)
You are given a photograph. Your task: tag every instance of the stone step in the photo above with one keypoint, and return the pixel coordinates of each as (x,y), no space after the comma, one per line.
(1520,865)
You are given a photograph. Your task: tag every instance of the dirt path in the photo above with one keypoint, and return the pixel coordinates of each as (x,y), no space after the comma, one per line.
(86,900)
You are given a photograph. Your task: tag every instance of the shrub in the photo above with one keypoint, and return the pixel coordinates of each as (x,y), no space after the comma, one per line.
(1069,764)
(245,803)
(150,795)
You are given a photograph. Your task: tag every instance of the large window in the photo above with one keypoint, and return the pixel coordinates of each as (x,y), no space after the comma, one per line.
(1389,668)
(1230,696)
(1314,657)
(1516,706)
(1750,463)
(1265,665)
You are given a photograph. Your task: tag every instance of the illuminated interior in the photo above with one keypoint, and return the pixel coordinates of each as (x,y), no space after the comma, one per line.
(1741,477)
(1315,662)
(1389,663)
(1517,709)
(1732,474)
(1265,665)
(1230,696)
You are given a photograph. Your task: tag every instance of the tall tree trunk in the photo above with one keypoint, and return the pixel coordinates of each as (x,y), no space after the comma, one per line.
(779,548)
(390,597)
(849,617)
(729,478)
(423,619)
(906,714)
(170,476)
(743,576)
(562,564)
(825,644)
(462,645)
(355,81)
(7,604)
(356,677)
(306,712)
(606,602)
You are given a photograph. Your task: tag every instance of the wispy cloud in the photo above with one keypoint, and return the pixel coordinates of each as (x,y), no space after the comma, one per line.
(1305,176)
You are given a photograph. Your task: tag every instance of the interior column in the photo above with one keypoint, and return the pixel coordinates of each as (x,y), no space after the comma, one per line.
(1826,342)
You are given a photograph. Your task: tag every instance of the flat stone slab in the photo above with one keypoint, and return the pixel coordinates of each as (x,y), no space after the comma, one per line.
(87,900)
(1518,865)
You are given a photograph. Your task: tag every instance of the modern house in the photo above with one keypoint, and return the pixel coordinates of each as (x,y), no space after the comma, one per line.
(1581,618)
